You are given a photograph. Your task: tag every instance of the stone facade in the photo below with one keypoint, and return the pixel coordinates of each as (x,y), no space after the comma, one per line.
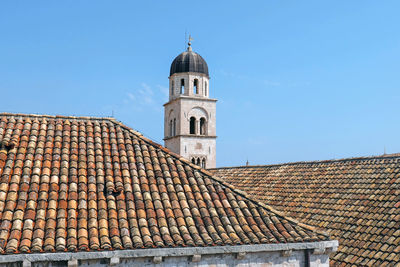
(259,259)
(189,100)
(314,254)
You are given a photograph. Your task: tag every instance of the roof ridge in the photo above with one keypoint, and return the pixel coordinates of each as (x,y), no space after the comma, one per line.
(47,116)
(92,118)
(385,156)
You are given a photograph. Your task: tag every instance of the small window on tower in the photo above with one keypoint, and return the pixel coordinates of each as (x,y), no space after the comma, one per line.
(174,127)
(193,160)
(170,128)
(198,162)
(192,125)
(196,87)
(182,86)
(203,126)
(172,87)
(203,163)
(205,89)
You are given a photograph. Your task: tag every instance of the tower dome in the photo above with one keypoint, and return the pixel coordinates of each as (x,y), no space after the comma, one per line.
(189,61)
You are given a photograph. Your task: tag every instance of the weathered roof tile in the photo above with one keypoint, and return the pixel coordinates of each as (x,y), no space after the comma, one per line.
(356,200)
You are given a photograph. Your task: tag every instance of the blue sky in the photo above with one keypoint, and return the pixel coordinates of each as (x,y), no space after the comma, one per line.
(295,80)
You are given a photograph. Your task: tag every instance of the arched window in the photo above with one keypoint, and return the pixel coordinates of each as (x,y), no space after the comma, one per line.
(174,127)
(203,130)
(193,160)
(203,163)
(170,128)
(182,86)
(196,86)
(205,89)
(172,87)
(198,162)
(192,125)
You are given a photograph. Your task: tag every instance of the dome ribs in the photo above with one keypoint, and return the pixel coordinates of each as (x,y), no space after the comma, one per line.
(189,61)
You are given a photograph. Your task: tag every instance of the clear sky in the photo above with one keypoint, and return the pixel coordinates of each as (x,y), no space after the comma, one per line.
(295,80)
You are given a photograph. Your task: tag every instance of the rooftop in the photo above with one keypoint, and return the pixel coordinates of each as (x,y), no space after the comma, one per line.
(357,200)
(89,184)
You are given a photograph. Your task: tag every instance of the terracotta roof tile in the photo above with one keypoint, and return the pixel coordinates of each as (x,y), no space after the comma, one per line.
(356,200)
(82,184)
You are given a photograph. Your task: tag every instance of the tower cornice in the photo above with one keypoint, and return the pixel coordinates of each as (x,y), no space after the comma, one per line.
(192,135)
(190,73)
(191,98)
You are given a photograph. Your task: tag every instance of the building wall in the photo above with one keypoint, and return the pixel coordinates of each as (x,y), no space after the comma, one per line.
(257,259)
(199,147)
(183,107)
(184,143)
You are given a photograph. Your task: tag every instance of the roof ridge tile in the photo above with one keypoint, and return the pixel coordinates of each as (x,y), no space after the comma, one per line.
(373,157)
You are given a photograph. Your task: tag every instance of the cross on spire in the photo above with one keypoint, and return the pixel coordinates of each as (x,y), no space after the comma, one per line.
(190,43)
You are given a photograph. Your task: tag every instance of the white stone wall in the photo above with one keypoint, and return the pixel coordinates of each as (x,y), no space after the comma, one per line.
(180,109)
(194,146)
(314,254)
(174,145)
(257,259)
(196,107)
(189,77)
(265,259)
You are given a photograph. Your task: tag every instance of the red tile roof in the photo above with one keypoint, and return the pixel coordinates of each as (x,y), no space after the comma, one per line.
(357,200)
(69,184)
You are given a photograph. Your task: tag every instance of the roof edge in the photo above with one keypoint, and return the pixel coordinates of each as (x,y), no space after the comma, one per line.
(386,156)
(326,246)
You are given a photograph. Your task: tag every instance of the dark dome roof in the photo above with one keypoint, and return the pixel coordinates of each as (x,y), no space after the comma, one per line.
(189,61)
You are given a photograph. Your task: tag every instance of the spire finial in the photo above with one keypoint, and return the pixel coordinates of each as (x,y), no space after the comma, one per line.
(190,43)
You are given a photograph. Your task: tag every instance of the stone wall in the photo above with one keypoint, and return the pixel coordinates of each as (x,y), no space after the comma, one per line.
(191,145)
(189,77)
(257,259)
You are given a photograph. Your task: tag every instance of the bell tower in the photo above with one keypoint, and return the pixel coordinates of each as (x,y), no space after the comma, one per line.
(189,115)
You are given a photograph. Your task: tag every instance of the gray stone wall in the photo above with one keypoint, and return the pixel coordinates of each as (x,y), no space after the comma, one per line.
(258,259)
(297,259)
(286,254)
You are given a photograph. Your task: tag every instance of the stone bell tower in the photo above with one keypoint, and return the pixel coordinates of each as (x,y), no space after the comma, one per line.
(189,117)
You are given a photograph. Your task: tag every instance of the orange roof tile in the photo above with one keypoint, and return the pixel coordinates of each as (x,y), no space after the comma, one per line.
(356,200)
(70,183)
